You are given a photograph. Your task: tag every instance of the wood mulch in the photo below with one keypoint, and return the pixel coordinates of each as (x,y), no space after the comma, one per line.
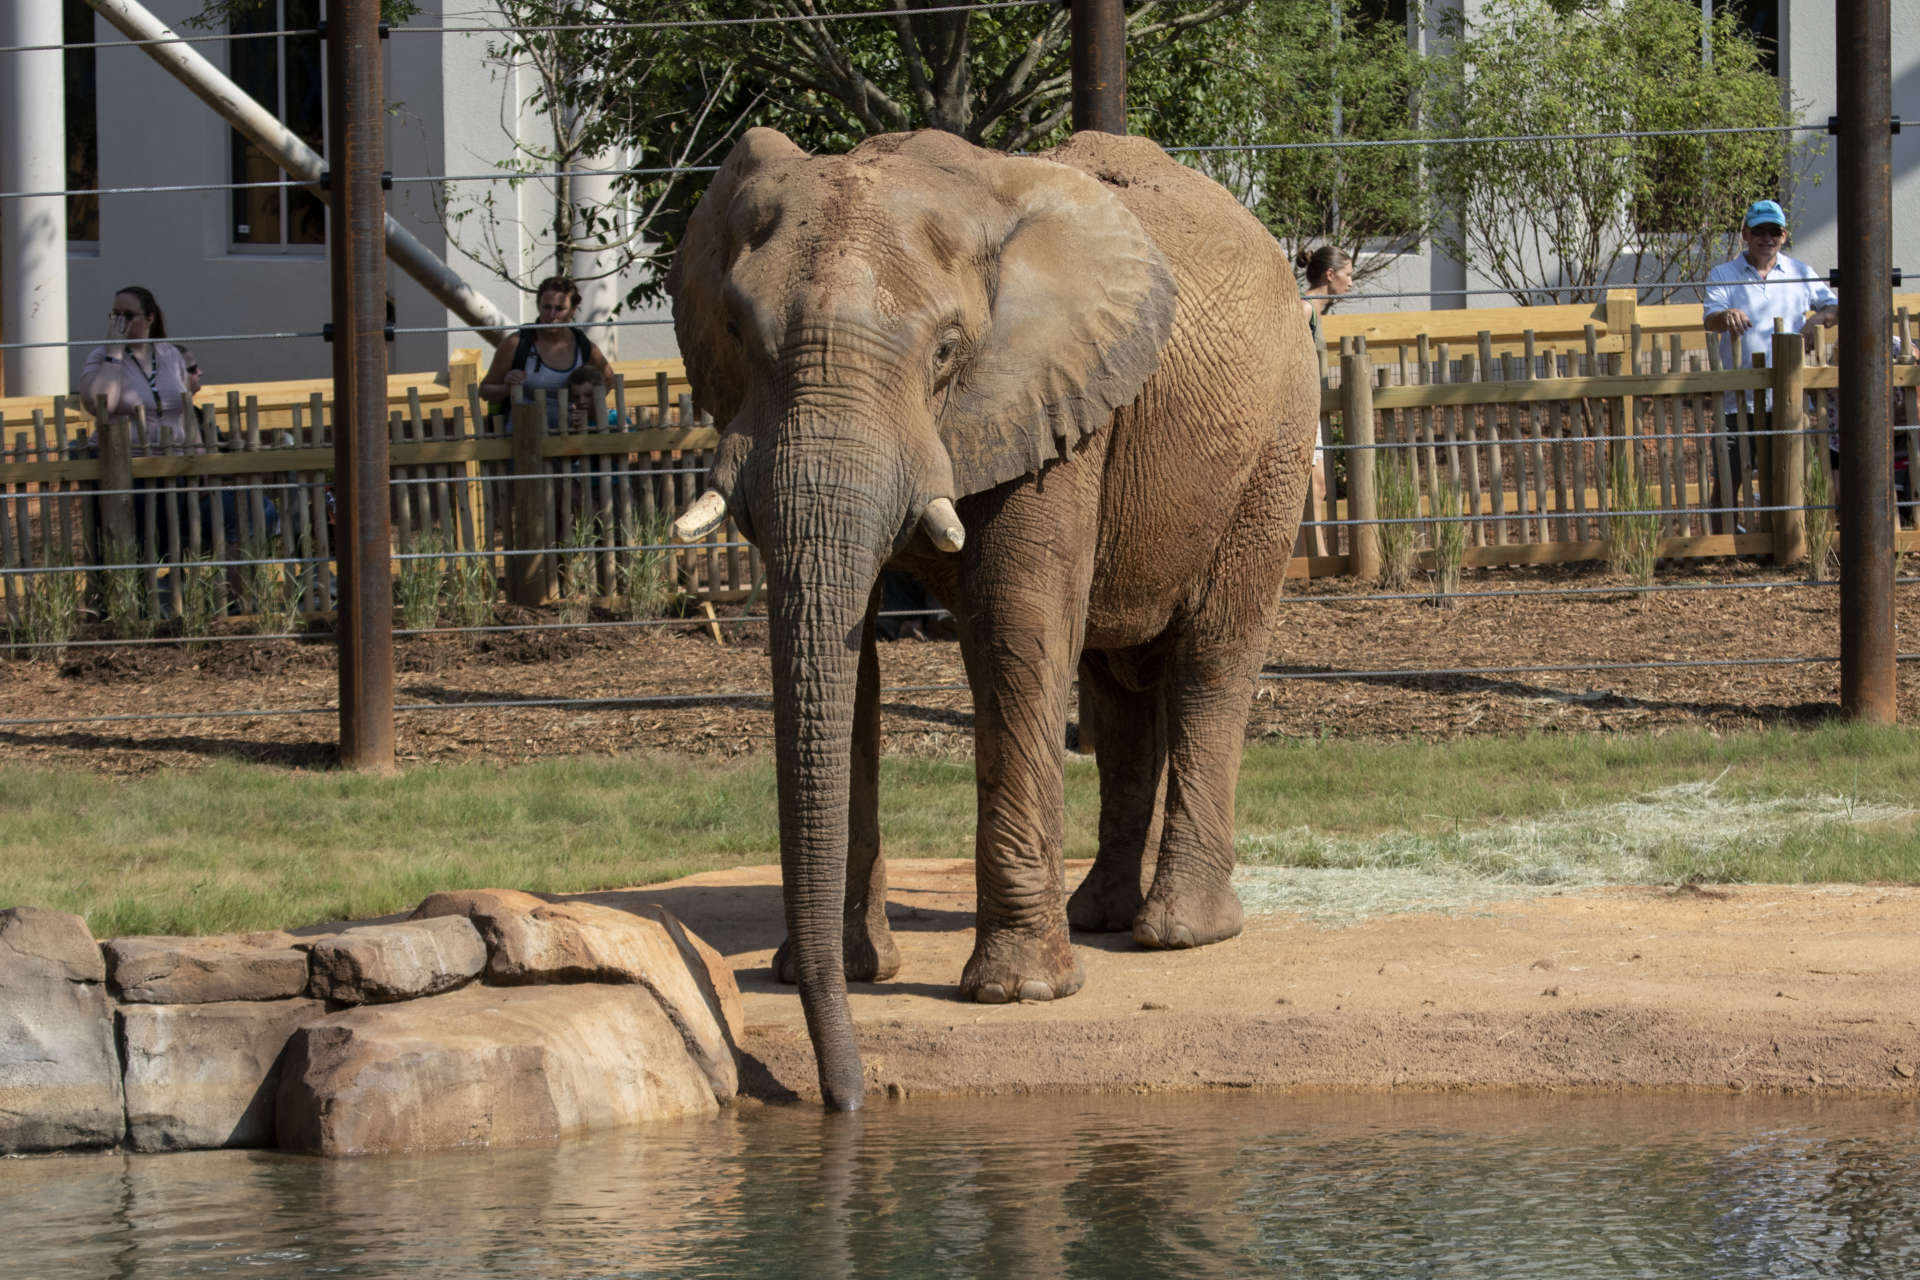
(686,694)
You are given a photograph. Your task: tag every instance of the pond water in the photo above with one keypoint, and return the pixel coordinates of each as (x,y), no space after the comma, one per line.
(1205,1185)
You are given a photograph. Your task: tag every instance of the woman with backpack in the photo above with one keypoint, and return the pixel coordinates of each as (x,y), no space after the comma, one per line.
(542,357)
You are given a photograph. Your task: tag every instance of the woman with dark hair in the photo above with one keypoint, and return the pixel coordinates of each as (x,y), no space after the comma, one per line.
(1329,272)
(543,357)
(137,376)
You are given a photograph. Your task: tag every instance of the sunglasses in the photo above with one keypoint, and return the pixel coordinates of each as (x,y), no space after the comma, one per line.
(1771,232)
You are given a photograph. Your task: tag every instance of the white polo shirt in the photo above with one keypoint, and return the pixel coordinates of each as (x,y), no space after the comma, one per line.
(1789,292)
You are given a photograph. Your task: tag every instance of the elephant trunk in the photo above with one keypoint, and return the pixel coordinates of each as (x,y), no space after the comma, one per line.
(827,524)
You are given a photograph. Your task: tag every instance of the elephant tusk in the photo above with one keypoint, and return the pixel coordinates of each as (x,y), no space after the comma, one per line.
(700,519)
(942,524)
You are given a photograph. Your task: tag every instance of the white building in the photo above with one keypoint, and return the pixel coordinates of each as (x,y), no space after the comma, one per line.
(1802,32)
(224,262)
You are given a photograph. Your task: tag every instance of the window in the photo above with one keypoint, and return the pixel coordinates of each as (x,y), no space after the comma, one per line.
(283,74)
(1760,19)
(83,125)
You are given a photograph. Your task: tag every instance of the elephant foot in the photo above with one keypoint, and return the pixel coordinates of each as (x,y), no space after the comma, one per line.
(1007,966)
(868,955)
(1192,918)
(1105,902)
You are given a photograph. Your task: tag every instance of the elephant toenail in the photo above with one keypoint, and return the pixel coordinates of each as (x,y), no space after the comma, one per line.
(991,993)
(1034,989)
(1182,936)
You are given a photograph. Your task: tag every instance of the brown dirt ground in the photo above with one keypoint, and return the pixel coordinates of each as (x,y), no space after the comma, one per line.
(1758,987)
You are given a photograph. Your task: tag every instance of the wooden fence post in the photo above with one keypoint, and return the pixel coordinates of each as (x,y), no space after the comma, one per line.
(116,477)
(1356,416)
(1621,311)
(1789,451)
(529,577)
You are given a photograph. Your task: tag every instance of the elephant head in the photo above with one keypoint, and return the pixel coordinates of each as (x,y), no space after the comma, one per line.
(881,334)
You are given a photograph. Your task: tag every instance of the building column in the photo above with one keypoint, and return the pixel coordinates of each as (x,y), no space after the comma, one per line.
(33,232)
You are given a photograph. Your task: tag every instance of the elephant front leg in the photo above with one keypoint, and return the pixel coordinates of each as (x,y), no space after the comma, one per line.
(867,945)
(1028,574)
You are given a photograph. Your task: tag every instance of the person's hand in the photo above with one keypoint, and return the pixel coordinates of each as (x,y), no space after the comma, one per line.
(116,334)
(1737,321)
(515,377)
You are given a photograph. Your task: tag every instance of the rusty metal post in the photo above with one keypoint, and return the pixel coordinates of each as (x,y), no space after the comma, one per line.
(1863,57)
(1099,36)
(357,245)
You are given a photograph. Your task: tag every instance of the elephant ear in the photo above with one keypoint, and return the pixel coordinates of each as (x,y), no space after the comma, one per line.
(1080,306)
(696,280)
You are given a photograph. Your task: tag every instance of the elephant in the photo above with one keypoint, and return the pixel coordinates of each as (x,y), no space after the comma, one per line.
(1075,395)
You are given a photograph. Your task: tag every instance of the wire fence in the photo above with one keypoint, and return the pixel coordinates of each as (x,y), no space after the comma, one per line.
(227,536)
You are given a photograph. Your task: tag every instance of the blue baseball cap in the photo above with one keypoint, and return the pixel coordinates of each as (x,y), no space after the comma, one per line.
(1766,213)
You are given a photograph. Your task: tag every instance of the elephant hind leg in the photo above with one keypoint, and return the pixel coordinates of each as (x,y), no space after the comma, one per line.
(866,941)
(1211,674)
(1127,730)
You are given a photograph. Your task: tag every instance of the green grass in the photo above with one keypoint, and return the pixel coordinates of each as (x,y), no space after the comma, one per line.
(1325,827)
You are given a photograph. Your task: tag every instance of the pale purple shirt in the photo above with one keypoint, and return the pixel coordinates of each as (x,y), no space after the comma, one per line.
(161,399)
(1788,292)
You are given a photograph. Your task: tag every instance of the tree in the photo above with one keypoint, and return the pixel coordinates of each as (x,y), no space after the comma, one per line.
(1548,220)
(1311,72)
(674,93)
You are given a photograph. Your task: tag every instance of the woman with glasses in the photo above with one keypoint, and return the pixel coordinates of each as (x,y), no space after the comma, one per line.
(543,357)
(137,377)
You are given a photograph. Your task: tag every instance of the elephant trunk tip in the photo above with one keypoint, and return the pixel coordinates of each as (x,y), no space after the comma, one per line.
(843,1090)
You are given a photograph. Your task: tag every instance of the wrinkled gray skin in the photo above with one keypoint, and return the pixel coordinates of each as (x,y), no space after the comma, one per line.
(1100,358)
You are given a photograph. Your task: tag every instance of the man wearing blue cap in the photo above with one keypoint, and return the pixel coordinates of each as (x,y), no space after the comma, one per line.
(1744,298)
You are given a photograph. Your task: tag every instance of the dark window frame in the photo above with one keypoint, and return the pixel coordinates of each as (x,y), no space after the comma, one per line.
(284,75)
(82,87)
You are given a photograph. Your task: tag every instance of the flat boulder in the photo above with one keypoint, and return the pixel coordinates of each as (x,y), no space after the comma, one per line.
(382,963)
(59,1070)
(574,941)
(242,966)
(205,1075)
(487,1066)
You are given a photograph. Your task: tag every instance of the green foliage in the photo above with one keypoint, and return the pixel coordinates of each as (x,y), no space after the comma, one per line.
(1539,217)
(417,585)
(49,612)
(234,847)
(1397,495)
(681,95)
(578,584)
(1293,73)
(123,592)
(1633,539)
(644,572)
(1821,531)
(197,587)
(1449,541)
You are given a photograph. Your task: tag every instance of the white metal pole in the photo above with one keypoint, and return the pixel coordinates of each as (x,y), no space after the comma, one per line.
(265,130)
(33,232)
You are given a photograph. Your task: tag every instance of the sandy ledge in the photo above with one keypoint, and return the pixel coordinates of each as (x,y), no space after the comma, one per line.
(1764,988)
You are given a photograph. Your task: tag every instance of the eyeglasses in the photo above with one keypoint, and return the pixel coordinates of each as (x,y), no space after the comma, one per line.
(127,315)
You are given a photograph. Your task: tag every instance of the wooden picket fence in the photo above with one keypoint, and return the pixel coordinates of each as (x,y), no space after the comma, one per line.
(1528,445)
(546,511)
(1523,432)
